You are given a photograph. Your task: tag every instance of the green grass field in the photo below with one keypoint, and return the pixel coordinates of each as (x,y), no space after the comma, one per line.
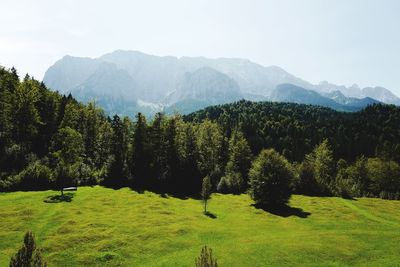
(105,227)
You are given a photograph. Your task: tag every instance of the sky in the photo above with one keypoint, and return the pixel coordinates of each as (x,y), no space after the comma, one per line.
(340,41)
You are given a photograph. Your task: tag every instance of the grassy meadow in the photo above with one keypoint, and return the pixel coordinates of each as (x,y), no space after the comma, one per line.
(106,227)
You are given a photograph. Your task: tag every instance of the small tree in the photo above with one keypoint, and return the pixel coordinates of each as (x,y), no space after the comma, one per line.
(66,175)
(28,255)
(206,191)
(270,179)
(206,258)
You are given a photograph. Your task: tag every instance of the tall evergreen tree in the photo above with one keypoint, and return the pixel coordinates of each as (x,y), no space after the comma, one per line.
(47,106)
(140,153)
(188,157)
(92,126)
(118,170)
(8,85)
(169,165)
(156,150)
(26,116)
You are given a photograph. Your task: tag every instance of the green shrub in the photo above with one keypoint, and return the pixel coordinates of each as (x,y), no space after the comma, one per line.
(9,183)
(36,176)
(231,183)
(384,177)
(86,175)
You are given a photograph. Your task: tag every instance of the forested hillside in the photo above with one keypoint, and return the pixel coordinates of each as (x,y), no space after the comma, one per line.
(294,130)
(52,141)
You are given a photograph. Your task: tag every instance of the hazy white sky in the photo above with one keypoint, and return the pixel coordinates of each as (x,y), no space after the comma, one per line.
(342,41)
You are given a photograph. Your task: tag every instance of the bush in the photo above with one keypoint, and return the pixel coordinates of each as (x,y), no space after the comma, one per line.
(87,176)
(270,178)
(223,186)
(231,183)
(306,183)
(343,188)
(343,185)
(9,183)
(358,178)
(390,195)
(36,176)
(384,177)
(15,155)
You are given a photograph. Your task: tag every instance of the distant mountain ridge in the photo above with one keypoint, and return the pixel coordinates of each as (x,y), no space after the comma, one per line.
(295,94)
(127,82)
(379,93)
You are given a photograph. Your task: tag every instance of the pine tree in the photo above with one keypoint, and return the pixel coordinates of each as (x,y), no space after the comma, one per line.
(188,157)
(91,133)
(72,117)
(7,87)
(47,109)
(140,153)
(169,166)
(206,258)
(26,116)
(117,172)
(28,255)
(156,150)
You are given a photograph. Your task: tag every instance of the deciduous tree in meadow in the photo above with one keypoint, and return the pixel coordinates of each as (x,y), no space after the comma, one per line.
(270,178)
(206,191)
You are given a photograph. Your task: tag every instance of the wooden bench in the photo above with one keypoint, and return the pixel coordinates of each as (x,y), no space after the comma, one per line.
(73,188)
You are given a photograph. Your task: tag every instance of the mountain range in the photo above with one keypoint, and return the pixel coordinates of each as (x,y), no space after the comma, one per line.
(126,82)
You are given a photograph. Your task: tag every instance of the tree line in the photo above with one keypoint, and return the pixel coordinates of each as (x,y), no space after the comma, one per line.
(49,140)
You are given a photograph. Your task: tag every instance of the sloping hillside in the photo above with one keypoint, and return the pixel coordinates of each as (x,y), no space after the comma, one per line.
(105,227)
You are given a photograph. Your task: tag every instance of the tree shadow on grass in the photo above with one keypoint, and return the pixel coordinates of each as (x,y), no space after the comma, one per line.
(284,211)
(349,198)
(179,196)
(210,214)
(167,194)
(67,197)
